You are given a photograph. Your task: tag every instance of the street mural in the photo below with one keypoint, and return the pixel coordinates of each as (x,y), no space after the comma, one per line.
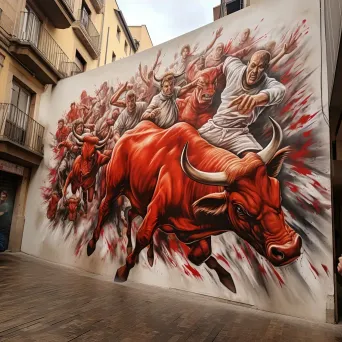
(209,161)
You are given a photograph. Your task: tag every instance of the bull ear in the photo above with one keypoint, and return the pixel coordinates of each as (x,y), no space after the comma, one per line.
(210,205)
(275,164)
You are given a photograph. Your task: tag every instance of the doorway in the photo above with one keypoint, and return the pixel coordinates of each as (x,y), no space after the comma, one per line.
(8,188)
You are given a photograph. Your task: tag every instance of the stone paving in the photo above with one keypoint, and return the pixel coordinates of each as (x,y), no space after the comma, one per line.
(41,301)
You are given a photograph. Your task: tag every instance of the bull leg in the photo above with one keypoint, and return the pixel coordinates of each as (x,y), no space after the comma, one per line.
(150,254)
(201,252)
(106,204)
(91,192)
(85,202)
(103,183)
(144,238)
(132,214)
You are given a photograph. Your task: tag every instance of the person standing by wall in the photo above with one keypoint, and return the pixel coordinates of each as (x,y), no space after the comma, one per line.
(4,221)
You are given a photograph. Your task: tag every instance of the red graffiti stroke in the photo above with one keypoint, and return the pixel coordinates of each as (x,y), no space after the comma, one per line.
(326,270)
(222,258)
(314,270)
(191,270)
(279,277)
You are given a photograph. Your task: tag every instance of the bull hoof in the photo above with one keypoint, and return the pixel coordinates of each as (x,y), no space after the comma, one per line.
(91,247)
(121,274)
(228,282)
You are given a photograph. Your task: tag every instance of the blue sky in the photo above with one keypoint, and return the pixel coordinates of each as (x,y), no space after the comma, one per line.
(167,19)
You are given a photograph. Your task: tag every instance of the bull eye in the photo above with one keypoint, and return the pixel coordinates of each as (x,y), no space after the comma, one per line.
(240,211)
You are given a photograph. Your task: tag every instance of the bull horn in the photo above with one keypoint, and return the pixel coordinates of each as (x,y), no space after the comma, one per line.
(78,137)
(208,178)
(101,142)
(179,75)
(270,150)
(99,147)
(157,79)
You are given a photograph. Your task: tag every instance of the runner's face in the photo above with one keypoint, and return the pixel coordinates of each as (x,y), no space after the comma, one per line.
(60,125)
(3,197)
(79,129)
(185,53)
(168,87)
(130,103)
(255,70)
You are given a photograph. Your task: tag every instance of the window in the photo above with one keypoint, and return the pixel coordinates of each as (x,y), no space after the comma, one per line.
(85,14)
(21,98)
(118,33)
(17,118)
(30,27)
(113,57)
(126,47)
(80,61)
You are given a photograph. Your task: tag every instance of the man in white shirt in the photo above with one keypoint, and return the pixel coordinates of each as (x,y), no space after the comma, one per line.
(247,93)
(163,109)
(132,113)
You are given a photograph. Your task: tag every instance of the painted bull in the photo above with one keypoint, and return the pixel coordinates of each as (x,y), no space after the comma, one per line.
(86,166)
(181,184)
(198,107)
(52,206)
(72,206)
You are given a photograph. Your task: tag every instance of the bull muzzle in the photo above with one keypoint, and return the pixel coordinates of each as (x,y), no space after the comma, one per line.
(284,254)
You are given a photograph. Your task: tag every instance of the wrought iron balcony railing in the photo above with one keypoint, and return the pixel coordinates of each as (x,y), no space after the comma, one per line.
(98,5)
(70,4)
(32,32)
(19,127)
(89,27)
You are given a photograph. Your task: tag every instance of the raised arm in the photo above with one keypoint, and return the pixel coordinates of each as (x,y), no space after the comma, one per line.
(288,47)
(157,60)
(218,34)
(144,79)
(114,101)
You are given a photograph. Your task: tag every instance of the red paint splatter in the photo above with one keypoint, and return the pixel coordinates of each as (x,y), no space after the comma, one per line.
(302,121)
(222,258)
(317,206)
(325,268)
(289,105)
(192,270)
(313,268)
(262,269)
(307,133)
(280,279)
(294,188)
(238,254)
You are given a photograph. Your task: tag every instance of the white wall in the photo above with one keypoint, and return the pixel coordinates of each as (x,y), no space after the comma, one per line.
(300,289)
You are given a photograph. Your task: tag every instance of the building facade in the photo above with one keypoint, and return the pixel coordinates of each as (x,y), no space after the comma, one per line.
(41,43)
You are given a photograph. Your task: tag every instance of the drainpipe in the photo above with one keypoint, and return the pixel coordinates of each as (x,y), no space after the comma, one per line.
(105,62)
(102,26)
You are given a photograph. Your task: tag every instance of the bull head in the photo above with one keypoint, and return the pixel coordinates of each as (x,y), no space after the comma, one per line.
(90,139)
(72,205)
(251,202)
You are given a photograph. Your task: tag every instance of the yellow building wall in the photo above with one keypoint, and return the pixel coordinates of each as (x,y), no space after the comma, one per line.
(12,69)
(114,45)
(140,33)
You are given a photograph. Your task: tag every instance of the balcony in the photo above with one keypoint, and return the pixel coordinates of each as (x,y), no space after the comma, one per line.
(35,48)
(59,12)
(98,5)
(20,136)
(87,33)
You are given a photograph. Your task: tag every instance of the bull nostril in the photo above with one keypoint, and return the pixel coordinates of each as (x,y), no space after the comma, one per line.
(277,253)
